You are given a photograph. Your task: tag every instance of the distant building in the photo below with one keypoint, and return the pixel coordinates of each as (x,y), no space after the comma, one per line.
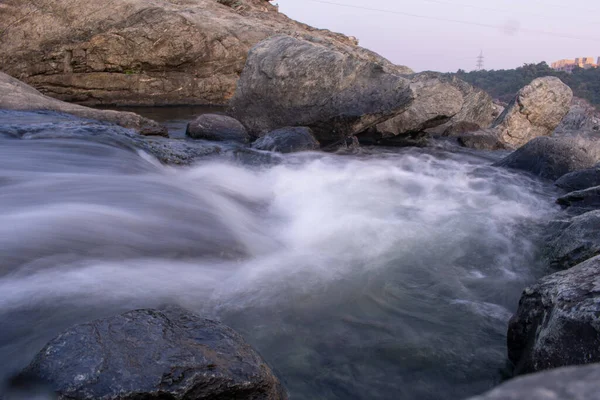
(570,65)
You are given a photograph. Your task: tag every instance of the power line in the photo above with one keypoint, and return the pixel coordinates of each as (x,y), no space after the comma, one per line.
(480,60)
(457,21)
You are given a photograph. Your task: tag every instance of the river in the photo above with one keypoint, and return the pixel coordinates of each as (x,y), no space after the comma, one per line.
(379,274)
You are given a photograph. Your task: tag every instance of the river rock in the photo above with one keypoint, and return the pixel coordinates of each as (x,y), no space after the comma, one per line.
(580,180)
(481,140)
(218,128)
(558,321)
(574,241)
(581,201)
(582,117)
(568,383)
(140,52)
(288,140)
(536,111)
(550,157)
(152,354)
(331,89)
(16,95)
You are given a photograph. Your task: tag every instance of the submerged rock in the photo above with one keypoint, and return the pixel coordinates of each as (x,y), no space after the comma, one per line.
(574,241)
(16,95)
(550,158)
(141,52)
(288,140)
(218,128)
(154,354)
(331,89)
(536,111)
(569,383)
(580,180)
(558,321)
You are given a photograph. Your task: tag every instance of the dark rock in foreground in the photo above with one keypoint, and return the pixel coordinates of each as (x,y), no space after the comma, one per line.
(154,354)
(16,95)
(288,140)
(550,158)
(558,321)
(579,180)
(570,383)
(581,201)
(574,241)
(332,90)
(218,128)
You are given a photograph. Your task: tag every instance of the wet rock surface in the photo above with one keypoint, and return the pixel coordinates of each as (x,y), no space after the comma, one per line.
(217,127)
(550,158)
(579,180)
(154,354)
(569,383)
(558,321)
(288,140)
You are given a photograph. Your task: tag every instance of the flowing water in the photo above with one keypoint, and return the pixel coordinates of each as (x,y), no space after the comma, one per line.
(385,274)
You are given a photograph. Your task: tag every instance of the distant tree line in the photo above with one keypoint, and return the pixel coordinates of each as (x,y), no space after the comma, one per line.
(505,83)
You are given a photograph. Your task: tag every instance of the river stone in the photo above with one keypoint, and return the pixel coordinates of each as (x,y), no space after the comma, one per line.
(581,200)
(550,158)
(218,128)
(481,140)
(16,95)
(582,117)
(568,383)
(142,52)
(288,140)
(154,354)
(536,111)
(558,321)
(289,81)
(574,241)
(580,180)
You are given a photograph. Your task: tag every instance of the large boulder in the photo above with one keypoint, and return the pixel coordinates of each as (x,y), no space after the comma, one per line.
(332,90)
(218,128)
(582,117)
(153,354)
(550,157)
(288,140)
(568,383)
(16,95)
(558,321)
(573,241)
(144,52)
(580,180)
(536,111)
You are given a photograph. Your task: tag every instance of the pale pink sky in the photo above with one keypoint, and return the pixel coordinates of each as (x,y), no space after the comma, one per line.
(445,35)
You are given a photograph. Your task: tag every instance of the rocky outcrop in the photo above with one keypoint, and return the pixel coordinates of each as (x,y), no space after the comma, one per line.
(443,101)
(331,89)
(569,383)
(581,201)
(152,354)
(536,111)
(15,95)
(218,128)
(580,180)
(288,140)
(558,321)
(142,52)
(550,158)
(573,241)
(481,140)
(582,117)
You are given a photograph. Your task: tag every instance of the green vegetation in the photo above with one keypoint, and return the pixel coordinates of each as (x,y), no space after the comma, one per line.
(503,84)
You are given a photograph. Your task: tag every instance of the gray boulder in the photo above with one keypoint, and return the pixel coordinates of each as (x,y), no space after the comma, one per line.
(481,140)
(580,180)
(558,321)
(569,383)
(218,128)
(288,140)
(16,95)
(332,90)
(536,111)
(574,241)
(153,354)
(550,158)
(581,201)
(582,116)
